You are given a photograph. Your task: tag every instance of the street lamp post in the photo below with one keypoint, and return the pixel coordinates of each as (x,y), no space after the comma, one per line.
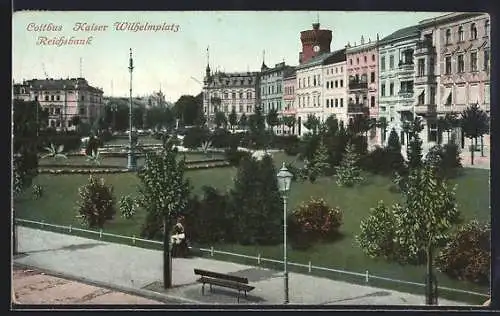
(114,108)
(284,180)
(130,156)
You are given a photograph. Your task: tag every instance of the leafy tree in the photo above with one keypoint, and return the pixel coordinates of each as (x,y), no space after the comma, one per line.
(258,216)
(163,194)
(414,151)
(257,127)
(445,159)
(467,255)
(348,173)
(55,152)
(233,118)
(420,225)
(187,108)
(312,123)
(272,118)
(474,122)
(97,203)
(289,121)
(393,143)
(451,122)
(243,121)
(319,164)
(220,119)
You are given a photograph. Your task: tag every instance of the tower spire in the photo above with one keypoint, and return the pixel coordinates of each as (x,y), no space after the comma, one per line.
(207,70)
(263,67)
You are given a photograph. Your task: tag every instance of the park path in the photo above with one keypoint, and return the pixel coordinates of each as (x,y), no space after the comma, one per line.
(139,271)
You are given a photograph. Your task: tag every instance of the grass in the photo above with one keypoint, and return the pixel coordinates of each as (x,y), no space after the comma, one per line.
(142,139)
(57,206)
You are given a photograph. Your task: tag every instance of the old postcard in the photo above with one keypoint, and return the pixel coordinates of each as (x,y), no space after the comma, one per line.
(251,158)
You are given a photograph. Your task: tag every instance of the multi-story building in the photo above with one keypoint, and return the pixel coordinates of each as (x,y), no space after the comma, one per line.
(271,86)
(397,95)
(315,42)
(362,69)
(290,85)
(225,91)
(156,99)
(64,99)
(452,68)
(335,86)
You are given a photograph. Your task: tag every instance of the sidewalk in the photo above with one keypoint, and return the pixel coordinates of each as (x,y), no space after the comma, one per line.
(139,271)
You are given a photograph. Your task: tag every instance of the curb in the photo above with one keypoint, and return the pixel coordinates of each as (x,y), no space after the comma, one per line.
(164,298)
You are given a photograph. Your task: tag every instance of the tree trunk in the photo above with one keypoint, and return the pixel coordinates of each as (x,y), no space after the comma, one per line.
(167,259)
(431,295)
(14,237)
(482,146)
(472,152)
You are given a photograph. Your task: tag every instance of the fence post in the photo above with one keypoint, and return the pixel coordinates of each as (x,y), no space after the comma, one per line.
(100,233)
(310,266)
(258,259)
(366,276)
(70,228)
(212,251)
(133,239)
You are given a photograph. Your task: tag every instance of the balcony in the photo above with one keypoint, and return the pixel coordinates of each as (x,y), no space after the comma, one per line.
(406,94)
(355,108)
(406,65)
(425,79)
(425,47)
(425,108)
(358,85)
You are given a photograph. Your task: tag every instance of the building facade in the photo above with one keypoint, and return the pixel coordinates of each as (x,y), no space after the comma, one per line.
(453,69)
(64,99)
(290,85)
(271,86)
(335,86)
(225,91)
(362,69)
(397,95)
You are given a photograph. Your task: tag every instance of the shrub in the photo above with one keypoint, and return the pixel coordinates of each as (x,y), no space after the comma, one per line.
(96,204)
(221,138)
(445,159)
(37,191)
(195,137)
(383,161)
(127,206)
(69,141)
(314,221)
(234,156)
(467,255)
(284,142)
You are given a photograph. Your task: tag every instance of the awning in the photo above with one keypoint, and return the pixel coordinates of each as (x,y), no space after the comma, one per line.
(418,93)
(446,95)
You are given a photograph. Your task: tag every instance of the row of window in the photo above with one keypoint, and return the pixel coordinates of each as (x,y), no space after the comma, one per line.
(362,78)
(290,90)
(405,87)
(271,75)
(303,83)
(338,103)
(356,100)
(473,33)
(305,100)
(270,89)
(225,95)
(365,58)
(329,71)
(338,84)
(225,109)
(272,105)
(473,63)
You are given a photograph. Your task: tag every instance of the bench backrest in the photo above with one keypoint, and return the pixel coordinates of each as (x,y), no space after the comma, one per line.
(216,275)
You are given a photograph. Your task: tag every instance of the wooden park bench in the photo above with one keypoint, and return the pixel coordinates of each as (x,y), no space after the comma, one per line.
(223,280)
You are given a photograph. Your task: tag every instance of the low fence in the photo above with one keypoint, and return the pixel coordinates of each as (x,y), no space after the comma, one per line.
(252,260)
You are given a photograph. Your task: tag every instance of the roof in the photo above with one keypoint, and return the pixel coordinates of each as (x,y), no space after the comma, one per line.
(410,31)
(238,79)
(60,84)
(315,61)
(337,56)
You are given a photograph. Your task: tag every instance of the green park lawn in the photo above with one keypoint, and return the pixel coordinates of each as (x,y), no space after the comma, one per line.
(57,206)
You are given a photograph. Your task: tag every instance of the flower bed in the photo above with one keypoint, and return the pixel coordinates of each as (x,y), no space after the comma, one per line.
(81,171)
(208,166)
(81,166)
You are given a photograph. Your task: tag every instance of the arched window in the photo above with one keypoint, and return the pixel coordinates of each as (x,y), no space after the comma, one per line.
(460,34)
(473,31)
(448,36)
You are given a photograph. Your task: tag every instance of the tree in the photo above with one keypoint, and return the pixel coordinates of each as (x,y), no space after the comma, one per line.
(348,173)
(243,121)
(452,122)
(257,216)
(319,164)
(416,227)
(163,194)
(97,203)
(312,123)
(414,149)
(233,118)
(382,124)
(257,127)
(272,118)
(220,119)
(474,122)
(393,143)
(187,109)
(289,121)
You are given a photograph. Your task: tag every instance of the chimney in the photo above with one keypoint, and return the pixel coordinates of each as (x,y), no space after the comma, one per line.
(362,40)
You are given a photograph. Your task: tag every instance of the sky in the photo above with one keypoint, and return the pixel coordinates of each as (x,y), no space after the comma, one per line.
(176,60)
